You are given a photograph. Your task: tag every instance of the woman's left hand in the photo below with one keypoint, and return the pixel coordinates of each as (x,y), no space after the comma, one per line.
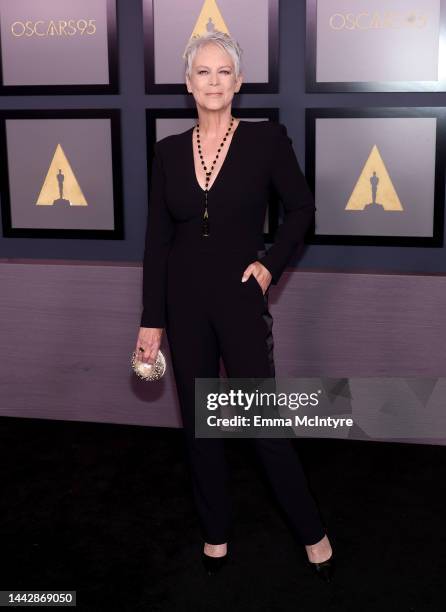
(260,273)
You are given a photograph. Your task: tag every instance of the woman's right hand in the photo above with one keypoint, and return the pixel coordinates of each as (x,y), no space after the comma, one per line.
(149,338)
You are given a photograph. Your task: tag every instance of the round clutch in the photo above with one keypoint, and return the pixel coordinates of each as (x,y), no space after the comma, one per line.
(148,371)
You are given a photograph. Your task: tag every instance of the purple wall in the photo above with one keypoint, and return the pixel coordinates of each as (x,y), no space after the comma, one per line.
(68,329)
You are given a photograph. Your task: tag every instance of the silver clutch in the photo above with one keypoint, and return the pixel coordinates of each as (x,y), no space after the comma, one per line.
(148,371)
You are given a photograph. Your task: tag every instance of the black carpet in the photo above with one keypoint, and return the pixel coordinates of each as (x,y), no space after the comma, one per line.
(107,511)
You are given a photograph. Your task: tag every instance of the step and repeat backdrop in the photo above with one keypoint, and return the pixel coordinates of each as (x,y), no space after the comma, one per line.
(377,173)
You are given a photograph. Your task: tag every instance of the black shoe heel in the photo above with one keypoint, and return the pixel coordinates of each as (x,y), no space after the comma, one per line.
(213,565)
(324,569)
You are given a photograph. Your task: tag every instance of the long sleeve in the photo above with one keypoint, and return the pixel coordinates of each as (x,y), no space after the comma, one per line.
(292,188)
(159,233)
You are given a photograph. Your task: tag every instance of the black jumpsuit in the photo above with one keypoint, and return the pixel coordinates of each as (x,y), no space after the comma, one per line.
(192,287)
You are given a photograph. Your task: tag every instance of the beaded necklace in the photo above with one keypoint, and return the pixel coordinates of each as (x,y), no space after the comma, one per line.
(205,224)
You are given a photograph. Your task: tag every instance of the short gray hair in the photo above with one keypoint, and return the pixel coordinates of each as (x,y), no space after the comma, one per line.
(221,39)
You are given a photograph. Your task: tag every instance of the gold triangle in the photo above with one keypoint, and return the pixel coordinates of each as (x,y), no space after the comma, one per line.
(374,172)
(71,191)
(210,18)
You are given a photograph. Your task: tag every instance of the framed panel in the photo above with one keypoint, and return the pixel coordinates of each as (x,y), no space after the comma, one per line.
(49,187)
(378,45)
(162,122)
(58,47)
(377,175)
(169,24)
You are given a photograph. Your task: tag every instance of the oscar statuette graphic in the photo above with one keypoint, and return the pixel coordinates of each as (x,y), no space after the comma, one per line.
(374,191)
(209,20)
(61,187)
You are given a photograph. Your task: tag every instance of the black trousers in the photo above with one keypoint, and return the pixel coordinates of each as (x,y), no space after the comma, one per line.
(212,314)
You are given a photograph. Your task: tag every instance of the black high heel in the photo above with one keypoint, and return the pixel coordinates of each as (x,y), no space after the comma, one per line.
(324,569)
(212,565)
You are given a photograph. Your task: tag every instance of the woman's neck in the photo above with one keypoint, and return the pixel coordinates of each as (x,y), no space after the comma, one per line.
(214,123)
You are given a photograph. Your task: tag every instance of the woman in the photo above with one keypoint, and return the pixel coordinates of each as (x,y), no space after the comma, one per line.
(206,276)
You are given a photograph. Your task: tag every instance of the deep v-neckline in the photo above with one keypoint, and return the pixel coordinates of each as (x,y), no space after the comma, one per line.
(228,153)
